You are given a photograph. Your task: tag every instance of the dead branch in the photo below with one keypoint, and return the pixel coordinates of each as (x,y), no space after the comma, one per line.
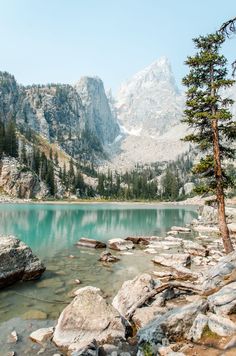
(188,287)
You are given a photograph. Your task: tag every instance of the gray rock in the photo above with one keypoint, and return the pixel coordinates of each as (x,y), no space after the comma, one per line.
(120,244)
(196,331)
(195,249)
(220,325)
(223,302)
(222,273)
(171,260)
(180,229)
(173,325)
(17,262)
(131,291)
(86,318)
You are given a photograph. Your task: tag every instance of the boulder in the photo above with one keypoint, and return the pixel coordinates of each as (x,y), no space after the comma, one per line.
(223,302)
(173,325)
(220,325)
(143,240)
(220,274)
(143,316)
(132,291)
(182,273)
(85,242)
(106,256)
(17,262)
(120,244)
(172,260)
(86,318)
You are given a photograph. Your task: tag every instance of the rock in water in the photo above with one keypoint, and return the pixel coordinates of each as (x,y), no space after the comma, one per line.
(85,242)
(17,262)
(106,256)
(86,318)
(120,244)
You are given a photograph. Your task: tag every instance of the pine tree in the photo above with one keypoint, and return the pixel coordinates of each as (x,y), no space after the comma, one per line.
(2,138)
(23,154)
(11,144)
(208,115)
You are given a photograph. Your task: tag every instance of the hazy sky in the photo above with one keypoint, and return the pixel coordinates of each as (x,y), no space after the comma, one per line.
(46,41)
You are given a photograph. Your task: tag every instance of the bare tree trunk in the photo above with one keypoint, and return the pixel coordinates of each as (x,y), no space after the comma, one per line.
(224,231)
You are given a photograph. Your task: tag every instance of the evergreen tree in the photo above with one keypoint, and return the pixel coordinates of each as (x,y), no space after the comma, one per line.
(23,154)
(207,113)
(2,138)
(11,144)
(50,179)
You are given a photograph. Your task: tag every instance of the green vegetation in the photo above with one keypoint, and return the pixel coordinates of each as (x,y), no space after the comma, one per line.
(207,114)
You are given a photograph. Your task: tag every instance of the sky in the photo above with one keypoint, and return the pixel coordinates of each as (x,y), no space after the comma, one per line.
(45,41)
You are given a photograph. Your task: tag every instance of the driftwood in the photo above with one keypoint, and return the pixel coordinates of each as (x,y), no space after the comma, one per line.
(182,286)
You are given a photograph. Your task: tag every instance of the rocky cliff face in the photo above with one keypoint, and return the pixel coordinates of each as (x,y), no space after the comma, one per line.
(19,181)
(99,118)
(75,117)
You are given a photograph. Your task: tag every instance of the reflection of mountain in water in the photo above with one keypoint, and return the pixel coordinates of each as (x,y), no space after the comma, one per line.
(51,228)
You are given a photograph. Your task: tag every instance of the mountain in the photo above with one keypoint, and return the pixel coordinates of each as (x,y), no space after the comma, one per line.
(150,102)
(149,107)
(78,117)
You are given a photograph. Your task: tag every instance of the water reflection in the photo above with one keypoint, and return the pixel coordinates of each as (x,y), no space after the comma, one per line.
(51,228)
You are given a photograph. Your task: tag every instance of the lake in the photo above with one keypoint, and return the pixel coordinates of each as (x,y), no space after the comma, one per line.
(51,230)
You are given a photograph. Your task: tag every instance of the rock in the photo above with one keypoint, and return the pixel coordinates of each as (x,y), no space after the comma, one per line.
(41,335)
(182,273)
(220,274)
(231,343)
(143,240)
(77,281)
(223,302)
(86,318)
(131,291)
(196,331)
(206,229)
(195,249)
(144,315)
(85,242)
(180,229)
(220,325)
(171,260)
(17,262)
(106,256)
(19,181)
(88,289)
(13,337)
(34,314)
(120,244)
(173,325)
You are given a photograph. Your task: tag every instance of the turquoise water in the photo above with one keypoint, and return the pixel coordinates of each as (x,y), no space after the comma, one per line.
(52,230)
(48,229)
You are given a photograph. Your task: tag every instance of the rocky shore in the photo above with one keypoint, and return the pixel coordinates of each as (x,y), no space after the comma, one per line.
(187,307)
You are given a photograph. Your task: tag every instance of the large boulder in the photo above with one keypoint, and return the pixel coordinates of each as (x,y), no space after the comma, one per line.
(132,291)
(17,262)
(223,302)
(86,318)
(221,274)
(173,325)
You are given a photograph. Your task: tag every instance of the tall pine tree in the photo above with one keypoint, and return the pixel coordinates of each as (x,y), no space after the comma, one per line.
(208,115)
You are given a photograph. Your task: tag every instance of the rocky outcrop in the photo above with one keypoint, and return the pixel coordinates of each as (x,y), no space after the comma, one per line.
(19,181)
(17,262)
(131,292)
(86,318)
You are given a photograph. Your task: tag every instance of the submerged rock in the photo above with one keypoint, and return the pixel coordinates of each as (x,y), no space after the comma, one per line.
(41,335)
(86,318)
(106,256)
(17,262)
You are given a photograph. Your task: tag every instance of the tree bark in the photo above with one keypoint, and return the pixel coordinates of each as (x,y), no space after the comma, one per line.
(224,231)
